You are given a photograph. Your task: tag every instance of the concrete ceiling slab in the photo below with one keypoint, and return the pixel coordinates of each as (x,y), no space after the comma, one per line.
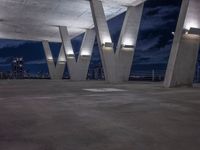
(38,20)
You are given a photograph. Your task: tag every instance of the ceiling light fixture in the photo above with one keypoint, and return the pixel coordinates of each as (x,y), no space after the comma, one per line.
(123,46)
(108,45)
(195,31)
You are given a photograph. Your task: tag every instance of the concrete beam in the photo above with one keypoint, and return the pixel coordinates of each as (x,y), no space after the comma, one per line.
(56,71)
(184,53)
(78,69)
(117,66)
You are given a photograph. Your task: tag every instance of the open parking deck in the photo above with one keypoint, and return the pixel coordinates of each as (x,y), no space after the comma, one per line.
(63,115)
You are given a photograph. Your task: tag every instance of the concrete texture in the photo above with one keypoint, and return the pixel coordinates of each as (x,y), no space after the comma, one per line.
(184,68)
(128,36)
(78,69)
(56,70)
(39,19)
(60,115)
(117,65)
(184,53)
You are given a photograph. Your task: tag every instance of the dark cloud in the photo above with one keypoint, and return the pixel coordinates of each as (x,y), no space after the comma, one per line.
(158,22)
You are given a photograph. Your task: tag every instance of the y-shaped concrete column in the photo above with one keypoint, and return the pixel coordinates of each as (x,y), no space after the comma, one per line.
(184,53)
(56,71)
(117,66)
(78,69)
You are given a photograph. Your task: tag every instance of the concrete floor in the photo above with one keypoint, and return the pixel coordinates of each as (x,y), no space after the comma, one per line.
(60,115)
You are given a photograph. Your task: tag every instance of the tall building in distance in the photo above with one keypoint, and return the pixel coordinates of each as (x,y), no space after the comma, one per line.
(18,68)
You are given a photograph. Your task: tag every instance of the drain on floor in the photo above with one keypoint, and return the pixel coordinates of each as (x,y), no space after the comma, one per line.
(105,90)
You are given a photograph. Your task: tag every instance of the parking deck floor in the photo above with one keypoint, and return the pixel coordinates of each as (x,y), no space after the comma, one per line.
(94,115)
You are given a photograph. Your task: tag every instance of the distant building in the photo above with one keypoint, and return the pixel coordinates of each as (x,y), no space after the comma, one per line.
(18,68)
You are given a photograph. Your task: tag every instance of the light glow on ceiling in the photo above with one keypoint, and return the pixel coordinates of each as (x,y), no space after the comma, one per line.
(85,53)
(192,24)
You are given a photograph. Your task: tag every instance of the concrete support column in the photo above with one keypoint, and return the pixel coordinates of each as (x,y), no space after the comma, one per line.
(78,69)
(127,41)
(104,41)
(184,53)
(117,66)
(56,71)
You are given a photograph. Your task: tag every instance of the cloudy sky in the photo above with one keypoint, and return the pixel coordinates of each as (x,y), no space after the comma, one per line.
(153,46)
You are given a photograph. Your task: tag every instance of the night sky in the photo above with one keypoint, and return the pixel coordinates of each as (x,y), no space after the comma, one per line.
(152,51)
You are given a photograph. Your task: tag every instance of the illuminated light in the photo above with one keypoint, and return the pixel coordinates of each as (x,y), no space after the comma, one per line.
(192,24)
(185,31)
(70,52)
(108,45)
(127,41)
(127,46)
(107,40)
(62,59)
(194,31)
(61,62)
(71,56)
(85,56)
(85,53)
(50,58)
